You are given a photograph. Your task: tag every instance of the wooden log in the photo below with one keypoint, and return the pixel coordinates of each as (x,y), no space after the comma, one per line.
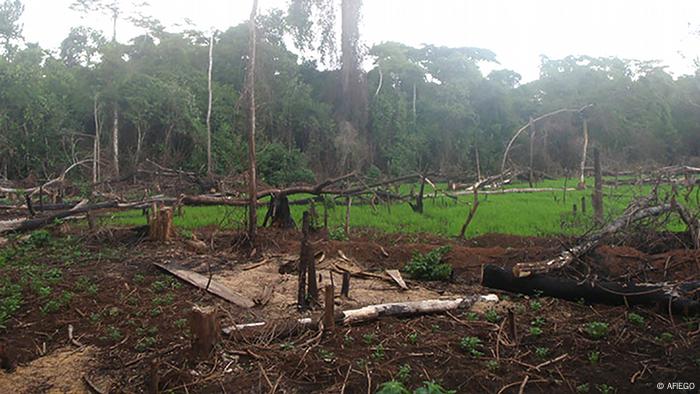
(395,275)
(205,331)
(39,222)
(371,312)
(595,292)
(160,224)
(201,282)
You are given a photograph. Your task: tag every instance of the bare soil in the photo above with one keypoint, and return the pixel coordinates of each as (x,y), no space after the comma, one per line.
(136,322)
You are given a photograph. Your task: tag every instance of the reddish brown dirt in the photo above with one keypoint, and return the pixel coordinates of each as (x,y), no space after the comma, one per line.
(132,298)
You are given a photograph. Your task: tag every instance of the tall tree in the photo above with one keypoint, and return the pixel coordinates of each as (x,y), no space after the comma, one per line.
(10,28)
(250,86)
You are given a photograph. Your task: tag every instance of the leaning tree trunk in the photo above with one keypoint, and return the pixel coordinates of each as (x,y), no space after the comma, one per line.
(250,86)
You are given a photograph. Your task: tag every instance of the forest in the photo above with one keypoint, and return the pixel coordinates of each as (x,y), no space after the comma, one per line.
(414,109)
(281,207)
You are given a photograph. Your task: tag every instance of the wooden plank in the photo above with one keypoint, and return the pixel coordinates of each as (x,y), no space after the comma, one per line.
(201,281)
(396,276)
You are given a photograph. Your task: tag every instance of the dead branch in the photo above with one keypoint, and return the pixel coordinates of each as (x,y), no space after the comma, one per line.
(33,190)
(637,210)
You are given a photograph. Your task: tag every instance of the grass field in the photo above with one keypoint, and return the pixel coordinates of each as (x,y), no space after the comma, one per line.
(528,214)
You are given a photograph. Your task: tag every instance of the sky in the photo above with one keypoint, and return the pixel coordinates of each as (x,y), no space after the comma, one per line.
(518,31)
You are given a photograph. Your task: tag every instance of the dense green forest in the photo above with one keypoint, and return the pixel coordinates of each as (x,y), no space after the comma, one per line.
(412,109)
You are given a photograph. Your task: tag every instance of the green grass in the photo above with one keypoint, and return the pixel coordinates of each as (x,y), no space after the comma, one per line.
(525,214)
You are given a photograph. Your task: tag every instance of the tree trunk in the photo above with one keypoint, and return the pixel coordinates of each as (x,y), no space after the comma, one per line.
(307,255)
(115,140)
(599,292)
(96,145)
(414,102)
(211,62)
(582,177)
(531,175)
(597,199)
(250,85)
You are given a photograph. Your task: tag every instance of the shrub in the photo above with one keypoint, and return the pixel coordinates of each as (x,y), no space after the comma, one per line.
(279,166)
(429,266)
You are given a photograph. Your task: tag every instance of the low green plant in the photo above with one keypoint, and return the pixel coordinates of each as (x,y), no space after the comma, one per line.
(145,343)
(471,345)
(114,333)
(535,305)
(412,338)
(155,312)
(287,346)
(594,357)
(605,388)
(665,337)
(432,388)
(542,352)
(181,323)
(535,331)
(492,365)
(368,338)
(378,353)
(636,319)
(392,387)
(583,388)
(55,304)
(39,238)
(537,322)
(429,266)
(326,355)
(596,329)
(166,299)
(404,373)
(337,234)
(139,278)
(472,316)
(492,316)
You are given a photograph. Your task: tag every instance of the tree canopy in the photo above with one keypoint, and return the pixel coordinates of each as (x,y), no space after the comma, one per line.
(427,108)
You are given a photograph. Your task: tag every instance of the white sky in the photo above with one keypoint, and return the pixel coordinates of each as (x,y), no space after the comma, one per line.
(518,31)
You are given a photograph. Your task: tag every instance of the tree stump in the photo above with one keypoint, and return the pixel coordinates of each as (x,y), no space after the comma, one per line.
(160,224)
(329,309)
(205,330)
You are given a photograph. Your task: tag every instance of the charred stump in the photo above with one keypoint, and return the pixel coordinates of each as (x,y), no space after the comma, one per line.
(278,212)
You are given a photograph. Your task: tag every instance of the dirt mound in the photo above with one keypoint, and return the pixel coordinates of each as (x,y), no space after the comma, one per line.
(61,371)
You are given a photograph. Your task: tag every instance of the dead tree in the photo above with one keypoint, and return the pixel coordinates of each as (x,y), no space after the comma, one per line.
(418,207)
(597,198)
(475,202)
(542,117)
(307,291)
(211,63)
(582,176)
(637,210)
(250,86)
(531,175)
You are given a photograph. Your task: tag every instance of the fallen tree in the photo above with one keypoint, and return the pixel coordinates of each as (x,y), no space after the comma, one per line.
(637,210)
(679,298)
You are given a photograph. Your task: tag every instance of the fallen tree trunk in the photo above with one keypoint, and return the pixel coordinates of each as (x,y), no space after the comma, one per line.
(520,190)
(372,312)
(634,212)
(595,292)
(36,223)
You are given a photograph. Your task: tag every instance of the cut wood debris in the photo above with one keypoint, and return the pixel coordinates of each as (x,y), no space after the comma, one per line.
(396,276)
(201,282)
